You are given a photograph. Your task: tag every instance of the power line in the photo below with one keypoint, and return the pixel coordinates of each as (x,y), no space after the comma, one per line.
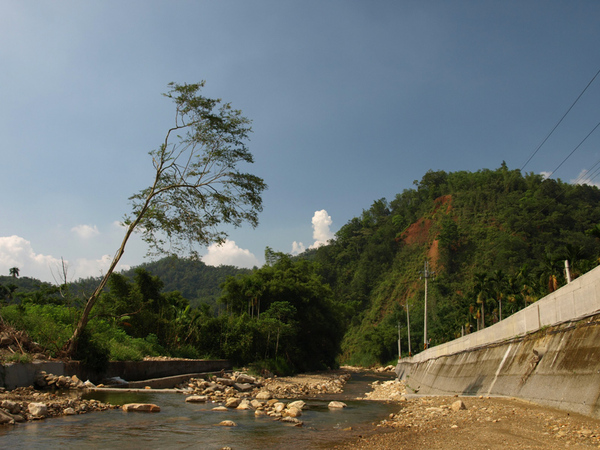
(561,119)
(575,149)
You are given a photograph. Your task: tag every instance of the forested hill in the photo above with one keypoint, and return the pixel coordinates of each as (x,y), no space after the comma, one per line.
(196,281)
(496,240)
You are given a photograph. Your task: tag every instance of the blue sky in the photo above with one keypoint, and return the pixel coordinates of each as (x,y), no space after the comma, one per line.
(351,101)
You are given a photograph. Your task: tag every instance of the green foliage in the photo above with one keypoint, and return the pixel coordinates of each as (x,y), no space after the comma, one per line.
(19,358)
(92,353)
(282,310)
(496,239)
(48,324)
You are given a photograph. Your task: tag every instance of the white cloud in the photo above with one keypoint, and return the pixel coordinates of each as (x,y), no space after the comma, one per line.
(84,268)
(86,231)
(16,251)
(584,178)
(321,222)
(297,248)
(545,175)
(229,254)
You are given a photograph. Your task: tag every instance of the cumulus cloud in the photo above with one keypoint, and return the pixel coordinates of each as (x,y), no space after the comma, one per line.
(16,251)
(545,175)
(321,222)
(585,178)
(84,268)
(86,231)
(229,254)
(297,248)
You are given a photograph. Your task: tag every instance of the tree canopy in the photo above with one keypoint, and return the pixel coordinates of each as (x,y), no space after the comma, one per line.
(198,185)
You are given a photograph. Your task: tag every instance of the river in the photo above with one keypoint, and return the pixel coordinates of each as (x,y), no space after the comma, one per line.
(182,425)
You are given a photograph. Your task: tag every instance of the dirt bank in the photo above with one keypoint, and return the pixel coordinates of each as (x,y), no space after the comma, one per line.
(453,423)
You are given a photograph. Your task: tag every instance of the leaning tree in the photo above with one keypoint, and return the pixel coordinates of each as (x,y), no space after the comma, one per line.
(198,185)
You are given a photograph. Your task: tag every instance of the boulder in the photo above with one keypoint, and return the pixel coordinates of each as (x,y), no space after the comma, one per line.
(225,381)
(293,420)
(220,408)
(244,405)
(141,407)
(227,423)
(458,405)
(256,404)
(38,409)
(293,412)
(243,378)
(243,387)
(69,412)
(336,405)
(278,407)
(11,406)
(6,418)
(272,402)
(232,402)
(263,395)
(196,399)
(297,404)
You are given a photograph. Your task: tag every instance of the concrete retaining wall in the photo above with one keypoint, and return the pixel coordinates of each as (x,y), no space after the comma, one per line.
(548,353)
(16,375)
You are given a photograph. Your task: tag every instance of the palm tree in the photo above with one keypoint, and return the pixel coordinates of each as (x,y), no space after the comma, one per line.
(550,272)
(498,281)
(481,292)
(14,272)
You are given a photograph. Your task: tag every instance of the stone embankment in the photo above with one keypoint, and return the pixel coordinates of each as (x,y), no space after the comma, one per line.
(28,403)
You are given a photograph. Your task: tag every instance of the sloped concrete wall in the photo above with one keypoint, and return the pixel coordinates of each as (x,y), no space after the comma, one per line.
(548,353)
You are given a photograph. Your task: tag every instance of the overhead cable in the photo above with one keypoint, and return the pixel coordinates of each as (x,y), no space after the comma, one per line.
(561,119)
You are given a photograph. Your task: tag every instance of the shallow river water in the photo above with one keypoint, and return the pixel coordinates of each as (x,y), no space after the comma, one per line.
(182,425)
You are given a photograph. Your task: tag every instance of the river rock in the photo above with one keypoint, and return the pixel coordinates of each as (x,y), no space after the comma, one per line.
(263,395)
(232,402)
(244,405)
(38,409)
(297,404)
(243,387)
(458,405)
(6,418)
(225,381)
(279,407)
(69,412)
(243,378)
(196,399)
(220,408)
(293,420)
(141,407)
(227,423)
(292,412)
(336,405)
(11,406)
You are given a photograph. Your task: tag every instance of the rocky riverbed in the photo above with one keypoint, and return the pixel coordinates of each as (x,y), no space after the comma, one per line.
(419,423)
(453,423)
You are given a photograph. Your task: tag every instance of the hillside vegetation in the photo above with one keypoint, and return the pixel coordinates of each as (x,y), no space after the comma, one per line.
(494,241)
